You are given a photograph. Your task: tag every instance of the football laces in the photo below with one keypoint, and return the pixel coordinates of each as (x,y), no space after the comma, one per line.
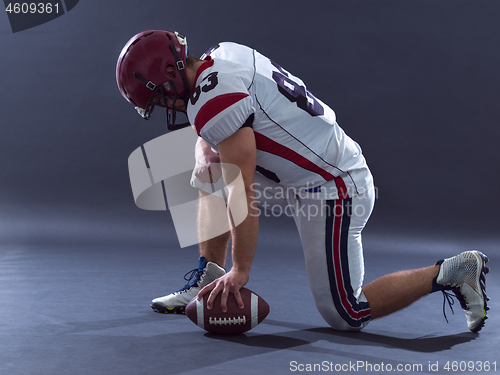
(227,321)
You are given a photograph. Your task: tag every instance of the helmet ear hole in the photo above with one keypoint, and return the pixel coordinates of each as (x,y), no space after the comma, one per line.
(170,71)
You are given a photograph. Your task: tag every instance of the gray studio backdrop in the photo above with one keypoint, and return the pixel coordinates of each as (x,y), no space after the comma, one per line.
(416,83)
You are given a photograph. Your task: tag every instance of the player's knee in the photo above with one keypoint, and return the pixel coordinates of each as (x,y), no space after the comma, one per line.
(345,327)
(340,323)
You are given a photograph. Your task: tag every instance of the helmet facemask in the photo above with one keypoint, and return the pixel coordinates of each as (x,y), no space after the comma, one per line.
(160,97)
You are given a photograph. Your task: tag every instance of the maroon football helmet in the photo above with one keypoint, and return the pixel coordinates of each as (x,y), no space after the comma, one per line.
(141,72)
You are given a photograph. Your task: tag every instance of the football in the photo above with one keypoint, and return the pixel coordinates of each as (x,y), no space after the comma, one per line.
(235,320)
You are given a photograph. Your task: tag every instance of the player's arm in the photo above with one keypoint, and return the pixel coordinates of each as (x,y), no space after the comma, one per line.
(240,150)
(212,215)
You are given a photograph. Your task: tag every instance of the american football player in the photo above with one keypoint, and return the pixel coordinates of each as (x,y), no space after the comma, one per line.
(249,111)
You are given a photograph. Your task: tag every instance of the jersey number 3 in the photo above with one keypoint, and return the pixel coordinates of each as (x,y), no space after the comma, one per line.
(296,93)
(208,83)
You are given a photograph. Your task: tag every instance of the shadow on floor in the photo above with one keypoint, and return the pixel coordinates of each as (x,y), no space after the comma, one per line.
(304,336)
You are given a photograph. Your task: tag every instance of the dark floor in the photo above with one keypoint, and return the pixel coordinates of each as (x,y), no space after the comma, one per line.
(73,307)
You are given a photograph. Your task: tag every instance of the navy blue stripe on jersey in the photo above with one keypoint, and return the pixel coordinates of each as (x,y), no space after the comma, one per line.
(268,174)
(336,243)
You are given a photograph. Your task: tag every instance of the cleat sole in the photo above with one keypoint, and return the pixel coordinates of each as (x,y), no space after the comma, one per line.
(168,310)
(484,271)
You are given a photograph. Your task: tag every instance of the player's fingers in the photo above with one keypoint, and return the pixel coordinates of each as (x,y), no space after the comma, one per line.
(215,291)
(210,174)
(239,300)
(199,175)
(216,171)
(205,290)
(223,300)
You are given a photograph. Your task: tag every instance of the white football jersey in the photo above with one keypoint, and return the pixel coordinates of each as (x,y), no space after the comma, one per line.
(299,143)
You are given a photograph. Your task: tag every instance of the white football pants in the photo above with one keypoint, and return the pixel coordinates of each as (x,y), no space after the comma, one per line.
(330,231)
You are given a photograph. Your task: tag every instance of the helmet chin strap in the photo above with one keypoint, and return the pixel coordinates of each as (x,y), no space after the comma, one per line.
(181,68)
(182,71)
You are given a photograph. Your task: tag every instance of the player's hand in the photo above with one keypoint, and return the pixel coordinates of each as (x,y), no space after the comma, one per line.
(231,282)
(207,168)
(209,172)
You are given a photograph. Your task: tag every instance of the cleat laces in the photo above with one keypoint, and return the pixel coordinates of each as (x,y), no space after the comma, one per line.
(191,277)
(448,297)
